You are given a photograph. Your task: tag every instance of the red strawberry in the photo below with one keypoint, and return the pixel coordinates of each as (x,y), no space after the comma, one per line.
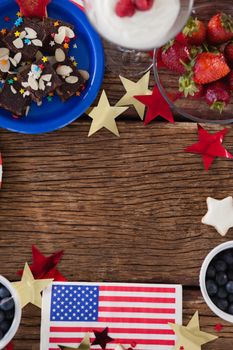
(182,39)
(125,8)
(174,56)
(189,88)
(230,80)
(228,52)
(220,28)
(33,8)
(144,5)
(218,96)
(195,31)
(210,67)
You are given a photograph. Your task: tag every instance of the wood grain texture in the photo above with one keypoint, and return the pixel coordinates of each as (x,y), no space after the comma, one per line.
(124,209)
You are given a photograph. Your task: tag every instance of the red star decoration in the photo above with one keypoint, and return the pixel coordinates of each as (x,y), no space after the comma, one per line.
(218,327)
(10,346)
(102,338)
(45,267)
(209,146)
(41,66)
(7,19)
(157,106)
(67,40)
(181,348)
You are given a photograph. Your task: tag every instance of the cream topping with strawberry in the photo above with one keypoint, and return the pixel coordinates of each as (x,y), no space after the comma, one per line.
(144,30)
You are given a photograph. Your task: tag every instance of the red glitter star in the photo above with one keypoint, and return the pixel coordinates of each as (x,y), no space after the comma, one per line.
(45,267)
(218,327)
(209,146)
(157,106)
(102,338)
(7,19)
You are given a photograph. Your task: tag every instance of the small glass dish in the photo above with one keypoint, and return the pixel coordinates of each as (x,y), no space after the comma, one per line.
(168,82)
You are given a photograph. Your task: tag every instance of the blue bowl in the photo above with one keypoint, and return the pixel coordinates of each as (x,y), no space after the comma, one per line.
(89,55)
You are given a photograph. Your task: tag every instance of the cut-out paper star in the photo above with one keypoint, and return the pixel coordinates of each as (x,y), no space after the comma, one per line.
(209,146)
(102,338)
(10,346)
(191,337)
(45,267)
(104,115)
(29,289)
(156,106)
(85,344)
(132,89)
(219,215)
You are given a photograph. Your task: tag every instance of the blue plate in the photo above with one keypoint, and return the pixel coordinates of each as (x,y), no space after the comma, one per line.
(89,55)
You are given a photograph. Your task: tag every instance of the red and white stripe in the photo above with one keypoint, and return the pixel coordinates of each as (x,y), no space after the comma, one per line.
(133,313)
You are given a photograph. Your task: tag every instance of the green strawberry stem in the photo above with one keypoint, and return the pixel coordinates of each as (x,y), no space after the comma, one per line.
(218,106)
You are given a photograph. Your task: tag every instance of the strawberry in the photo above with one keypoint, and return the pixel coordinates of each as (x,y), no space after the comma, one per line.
(228,52)
(189,88)
(195,31)
(144,5)
(218,96)
(33,8)
(175,55)
(125,8)
(230,80)
(210,67)
(220,28)
(181,38)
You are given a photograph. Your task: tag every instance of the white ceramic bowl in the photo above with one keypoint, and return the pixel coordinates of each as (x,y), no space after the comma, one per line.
(208,259)
(17,318)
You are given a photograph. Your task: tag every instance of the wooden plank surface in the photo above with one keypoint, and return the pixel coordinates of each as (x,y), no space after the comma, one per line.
(124,209)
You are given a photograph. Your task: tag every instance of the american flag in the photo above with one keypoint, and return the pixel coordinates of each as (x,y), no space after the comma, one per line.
(137,315)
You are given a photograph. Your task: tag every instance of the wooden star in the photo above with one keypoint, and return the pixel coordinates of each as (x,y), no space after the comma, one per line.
(102,338)
(29,289)
(190,337)
(104,115)
(85,344)
(141,87)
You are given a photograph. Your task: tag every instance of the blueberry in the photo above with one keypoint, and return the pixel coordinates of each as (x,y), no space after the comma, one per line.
(7,304)
(221,278)
(222,293)
(211,287)
(228,257)
(211,272)
(11,313)
(220,266)
(230,274)
(230,309)
(222,304)
(4,292)
(229,287)
(1,334)
(5,326)
(214,299)
(2,316)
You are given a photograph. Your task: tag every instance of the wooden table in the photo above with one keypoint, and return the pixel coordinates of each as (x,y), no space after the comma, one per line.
(126,209)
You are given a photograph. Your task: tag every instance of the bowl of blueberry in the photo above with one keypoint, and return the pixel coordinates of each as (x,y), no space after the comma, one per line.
(216,281)
(10,312)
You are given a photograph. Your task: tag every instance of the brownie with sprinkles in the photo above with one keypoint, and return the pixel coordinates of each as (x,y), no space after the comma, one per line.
(73,79)
(26,37)
(40,79)
(58,37)
(14,97)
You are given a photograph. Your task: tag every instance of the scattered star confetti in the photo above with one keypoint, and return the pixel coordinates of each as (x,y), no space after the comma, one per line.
(17,34)
(219,215)
(56,24)
(85,344)
(191,337)
(18,14)
(19,21)
(104,115)
(156,106)
(49,98)
(102,338)
(75,63)
(209,146)
(66,46)
(27,41)
(3,31)
(75,46)
(45,59)
(7,19)
(52,43)
(22,91)
(41,66)
(139,88)
(15,79)
(72,58)
(11,81)
(29,289)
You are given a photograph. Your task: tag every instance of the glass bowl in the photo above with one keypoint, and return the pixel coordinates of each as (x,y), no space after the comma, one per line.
(168,82)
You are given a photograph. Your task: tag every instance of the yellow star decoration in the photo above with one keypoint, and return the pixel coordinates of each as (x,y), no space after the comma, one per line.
(85,344)
(75,63)
(3,31)
(135,89)
(104,115)
(190,337)
(56,24)
(15,78)
(18,14)
(45,59)
(66,46)
(17,34)
(22,91)
(29,289)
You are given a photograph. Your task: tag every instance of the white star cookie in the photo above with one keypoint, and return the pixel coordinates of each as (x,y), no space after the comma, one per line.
(220,214)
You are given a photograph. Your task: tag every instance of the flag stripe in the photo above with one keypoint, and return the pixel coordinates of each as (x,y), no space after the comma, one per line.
(137,289)
(111,330)
(135,320)
(136,309)
(137,299)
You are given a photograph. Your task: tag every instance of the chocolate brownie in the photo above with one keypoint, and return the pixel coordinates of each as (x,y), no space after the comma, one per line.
(14,97)
(26,37)
(73,81)
(40,79)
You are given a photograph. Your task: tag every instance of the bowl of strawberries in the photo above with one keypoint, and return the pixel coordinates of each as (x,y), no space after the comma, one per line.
(194,71)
